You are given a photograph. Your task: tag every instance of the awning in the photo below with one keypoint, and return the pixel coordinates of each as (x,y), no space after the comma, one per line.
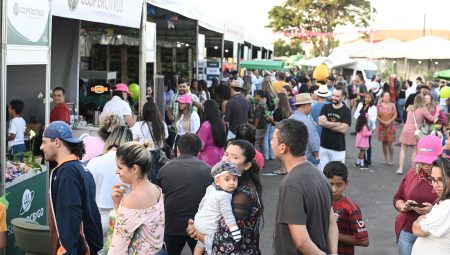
(445,74)
(262,64)
(126,13)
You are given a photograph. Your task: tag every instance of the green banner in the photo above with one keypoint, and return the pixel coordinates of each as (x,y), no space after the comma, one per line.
(27,199)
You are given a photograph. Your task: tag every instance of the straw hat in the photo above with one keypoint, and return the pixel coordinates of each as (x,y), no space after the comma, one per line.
(303,98)
(323,91)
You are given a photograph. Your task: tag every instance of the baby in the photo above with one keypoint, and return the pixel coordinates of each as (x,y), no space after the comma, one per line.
(216,204)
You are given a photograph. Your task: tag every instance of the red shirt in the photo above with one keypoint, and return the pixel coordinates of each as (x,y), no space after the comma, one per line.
(350,222)
(60,112)
(259,157)
(413,187)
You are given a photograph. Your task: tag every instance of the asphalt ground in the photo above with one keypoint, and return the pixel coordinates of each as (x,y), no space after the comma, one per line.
(371,189)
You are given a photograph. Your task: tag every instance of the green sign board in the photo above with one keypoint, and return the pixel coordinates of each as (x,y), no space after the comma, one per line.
(27,199)
(28,22)
(212,69)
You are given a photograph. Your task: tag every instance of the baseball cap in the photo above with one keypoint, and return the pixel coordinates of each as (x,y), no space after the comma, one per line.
(428,149)
(60,130)
(122,87)
(185,99)
(224,167)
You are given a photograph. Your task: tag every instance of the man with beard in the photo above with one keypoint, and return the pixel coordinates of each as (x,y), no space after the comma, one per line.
(183,88)
(335,119)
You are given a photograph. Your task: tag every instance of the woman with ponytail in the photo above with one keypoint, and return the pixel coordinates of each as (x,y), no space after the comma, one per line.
(246,203)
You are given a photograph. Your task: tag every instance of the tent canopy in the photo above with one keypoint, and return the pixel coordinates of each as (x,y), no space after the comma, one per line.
(445,74)
(378,49)
(262,64)
(291,60)
(348,49)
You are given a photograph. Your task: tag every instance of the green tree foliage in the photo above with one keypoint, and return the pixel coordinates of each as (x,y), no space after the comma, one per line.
(281,48)
(315,20)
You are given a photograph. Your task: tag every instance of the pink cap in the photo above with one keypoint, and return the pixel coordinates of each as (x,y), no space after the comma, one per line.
(185,99)
(122,87)
(94,146)
(428,149)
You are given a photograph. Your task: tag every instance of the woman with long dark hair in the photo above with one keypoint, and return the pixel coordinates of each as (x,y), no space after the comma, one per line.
(212,133)
(246,203)
(152,131)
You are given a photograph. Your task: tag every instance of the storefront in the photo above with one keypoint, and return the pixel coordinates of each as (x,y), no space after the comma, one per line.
(25,76)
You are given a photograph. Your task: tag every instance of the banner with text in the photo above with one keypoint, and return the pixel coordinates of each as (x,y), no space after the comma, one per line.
(116,12)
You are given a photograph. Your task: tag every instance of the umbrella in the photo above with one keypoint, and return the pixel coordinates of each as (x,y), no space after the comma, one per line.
(445,74)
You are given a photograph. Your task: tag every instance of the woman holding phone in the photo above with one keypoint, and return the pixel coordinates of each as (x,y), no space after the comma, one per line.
(415,195)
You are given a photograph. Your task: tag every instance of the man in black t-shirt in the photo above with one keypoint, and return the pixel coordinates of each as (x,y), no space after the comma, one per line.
(183,181)
(335,118)
(305,221)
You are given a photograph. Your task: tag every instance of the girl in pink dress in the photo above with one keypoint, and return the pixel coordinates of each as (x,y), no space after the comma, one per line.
(362,140)
(212,133)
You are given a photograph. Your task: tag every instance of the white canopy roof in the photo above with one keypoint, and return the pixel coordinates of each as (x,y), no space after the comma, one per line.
(331,62)
(376,49)
(428,47)
(348,49)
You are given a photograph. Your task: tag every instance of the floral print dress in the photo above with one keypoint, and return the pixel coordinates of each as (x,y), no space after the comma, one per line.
(247,209)
(136,231)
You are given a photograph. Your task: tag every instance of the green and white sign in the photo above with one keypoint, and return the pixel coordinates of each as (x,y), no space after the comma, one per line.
(212,69)
(28,22)
(27,199)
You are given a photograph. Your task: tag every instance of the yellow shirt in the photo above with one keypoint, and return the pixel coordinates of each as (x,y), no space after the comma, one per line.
(278,85)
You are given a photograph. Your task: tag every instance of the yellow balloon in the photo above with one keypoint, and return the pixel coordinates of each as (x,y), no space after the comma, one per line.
(133,88)
(445,92)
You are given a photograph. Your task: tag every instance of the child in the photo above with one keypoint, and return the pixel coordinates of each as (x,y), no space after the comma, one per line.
(216,204)
(352,230)
(438,130)
(17,125)
(362,140)
(261,113)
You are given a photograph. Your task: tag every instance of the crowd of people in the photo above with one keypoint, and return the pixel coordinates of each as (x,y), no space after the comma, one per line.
(153,184)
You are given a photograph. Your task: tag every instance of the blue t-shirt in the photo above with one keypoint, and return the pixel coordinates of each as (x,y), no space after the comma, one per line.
(315,113)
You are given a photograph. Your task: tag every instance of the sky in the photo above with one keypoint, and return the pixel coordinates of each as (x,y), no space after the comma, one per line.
(390,14)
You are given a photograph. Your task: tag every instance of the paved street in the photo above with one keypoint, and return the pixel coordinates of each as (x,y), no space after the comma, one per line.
(372,190)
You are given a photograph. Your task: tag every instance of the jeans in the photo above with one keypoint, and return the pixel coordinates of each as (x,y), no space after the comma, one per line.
(15,149)
(368,159)
(405,243)
(175,244)
(401,107)
(155,166)
(313,160)
(268,152)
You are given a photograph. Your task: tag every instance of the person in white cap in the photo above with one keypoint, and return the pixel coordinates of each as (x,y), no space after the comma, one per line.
(322,94)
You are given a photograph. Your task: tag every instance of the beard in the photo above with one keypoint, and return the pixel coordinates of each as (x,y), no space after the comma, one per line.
(335,102)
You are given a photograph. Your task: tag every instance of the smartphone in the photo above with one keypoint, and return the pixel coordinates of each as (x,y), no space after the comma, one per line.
(415,204)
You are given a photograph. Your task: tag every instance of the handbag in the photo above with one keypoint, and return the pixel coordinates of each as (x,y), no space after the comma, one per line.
(423,130)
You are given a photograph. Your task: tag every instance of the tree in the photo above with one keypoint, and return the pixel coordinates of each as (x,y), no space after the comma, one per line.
(315,20)
(281,48)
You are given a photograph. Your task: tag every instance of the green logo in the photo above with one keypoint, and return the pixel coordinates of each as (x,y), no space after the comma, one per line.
(72,4)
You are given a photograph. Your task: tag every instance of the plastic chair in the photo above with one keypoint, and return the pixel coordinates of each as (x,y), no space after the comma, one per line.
(32,238)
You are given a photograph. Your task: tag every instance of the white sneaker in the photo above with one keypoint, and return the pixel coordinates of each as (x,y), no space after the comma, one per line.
(399,171)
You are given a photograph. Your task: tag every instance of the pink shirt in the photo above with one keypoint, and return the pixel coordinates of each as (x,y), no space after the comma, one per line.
(209,153)
(362,138)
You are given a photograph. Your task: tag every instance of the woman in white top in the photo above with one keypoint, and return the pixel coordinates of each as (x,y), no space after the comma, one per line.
(152,132)
(188,120)
(433,228)
(103,170)
(119,105)
(368,106)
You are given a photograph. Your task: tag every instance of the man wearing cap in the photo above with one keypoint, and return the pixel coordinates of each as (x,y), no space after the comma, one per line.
(238,109)
(303,109)
(183,88)
(322,94)
(235,77)
(61,110)
(119,105)
(75,224)
(183,181)
(335,118)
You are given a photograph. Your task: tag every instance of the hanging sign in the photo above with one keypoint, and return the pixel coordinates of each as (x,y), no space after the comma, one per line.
(28,22)
(151,42)
(116,12)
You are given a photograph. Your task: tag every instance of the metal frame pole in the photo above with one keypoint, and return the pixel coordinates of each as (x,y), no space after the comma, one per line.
(143,59)
(222,56)
(196,49)
(3,97)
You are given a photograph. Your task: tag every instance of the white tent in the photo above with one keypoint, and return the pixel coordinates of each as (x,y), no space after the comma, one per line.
(348,49)
(376,50)
(331,62)
(428,47)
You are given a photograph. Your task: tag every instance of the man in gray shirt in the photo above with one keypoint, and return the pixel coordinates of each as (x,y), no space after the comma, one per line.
(303,103)
(305,221)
